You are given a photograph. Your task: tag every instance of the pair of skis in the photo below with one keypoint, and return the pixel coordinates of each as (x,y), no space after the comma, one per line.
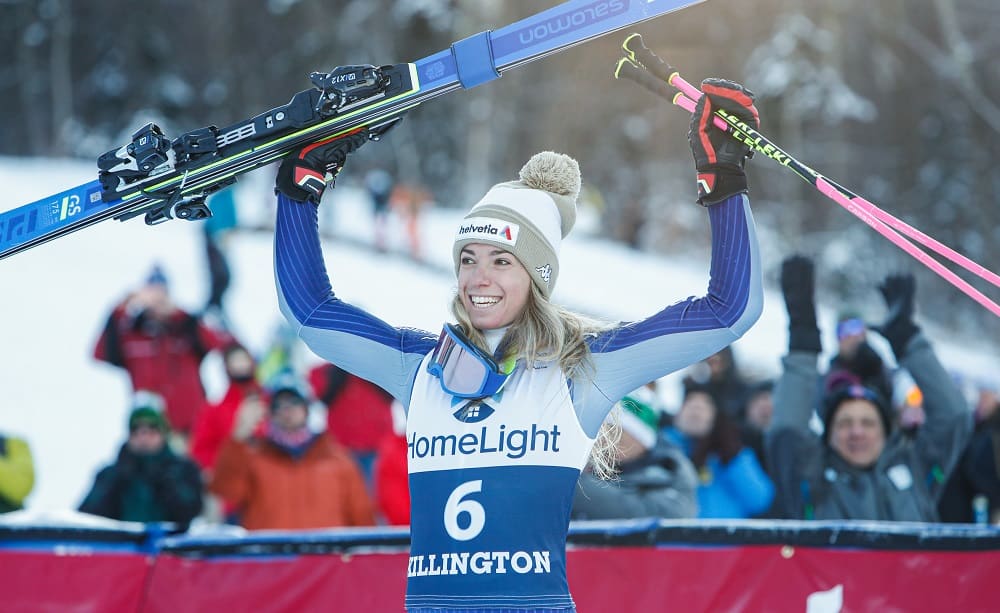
(641,65)
(162,178)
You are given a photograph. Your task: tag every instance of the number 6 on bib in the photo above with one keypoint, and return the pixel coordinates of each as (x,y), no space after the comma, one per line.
(456,506)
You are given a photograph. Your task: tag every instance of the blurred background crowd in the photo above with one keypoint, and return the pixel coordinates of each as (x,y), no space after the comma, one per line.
(871,430)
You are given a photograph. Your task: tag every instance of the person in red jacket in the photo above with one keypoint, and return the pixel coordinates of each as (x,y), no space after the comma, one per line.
(289,478)
(215,421)
(358,412)
(161,347)
(391,475)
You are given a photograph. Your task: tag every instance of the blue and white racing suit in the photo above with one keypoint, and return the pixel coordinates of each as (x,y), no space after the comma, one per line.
(492,481)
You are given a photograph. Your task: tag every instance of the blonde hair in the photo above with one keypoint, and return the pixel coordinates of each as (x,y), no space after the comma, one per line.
(545,332)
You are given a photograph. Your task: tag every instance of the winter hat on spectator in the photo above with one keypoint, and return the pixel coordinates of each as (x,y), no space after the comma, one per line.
(147,409)
(640,420)
(528,217)
(854,391)
(157,276)
(286,383)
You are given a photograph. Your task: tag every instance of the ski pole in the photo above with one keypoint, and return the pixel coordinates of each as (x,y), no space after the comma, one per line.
(644,58)
(640,65)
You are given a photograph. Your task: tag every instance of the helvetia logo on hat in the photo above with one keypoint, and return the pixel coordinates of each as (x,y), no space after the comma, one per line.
(489,229)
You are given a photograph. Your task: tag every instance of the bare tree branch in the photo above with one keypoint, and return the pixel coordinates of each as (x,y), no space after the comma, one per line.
(952,65)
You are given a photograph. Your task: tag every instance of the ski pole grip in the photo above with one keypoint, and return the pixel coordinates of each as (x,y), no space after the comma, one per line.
(627,69)
(641,54)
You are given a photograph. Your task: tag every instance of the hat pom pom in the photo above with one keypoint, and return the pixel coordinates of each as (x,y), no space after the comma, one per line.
(553,172)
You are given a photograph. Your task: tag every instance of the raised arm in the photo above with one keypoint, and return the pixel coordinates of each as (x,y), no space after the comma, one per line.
(794,453)
(343,334)
(943,436)
(683,333)
(795,392)
(688,331)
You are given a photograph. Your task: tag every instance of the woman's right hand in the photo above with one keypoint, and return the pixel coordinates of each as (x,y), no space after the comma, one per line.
(302,175)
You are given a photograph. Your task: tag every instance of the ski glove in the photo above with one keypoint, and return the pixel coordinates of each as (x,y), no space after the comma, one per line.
(718,157)
(898,328)
(797,286)
(303,174)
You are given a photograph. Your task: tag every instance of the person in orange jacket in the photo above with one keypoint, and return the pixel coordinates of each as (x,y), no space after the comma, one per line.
(290,477)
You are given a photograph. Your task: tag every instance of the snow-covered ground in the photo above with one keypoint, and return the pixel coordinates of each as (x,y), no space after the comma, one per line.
(72,409)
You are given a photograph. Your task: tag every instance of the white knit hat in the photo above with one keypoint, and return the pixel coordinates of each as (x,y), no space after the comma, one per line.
(529,217)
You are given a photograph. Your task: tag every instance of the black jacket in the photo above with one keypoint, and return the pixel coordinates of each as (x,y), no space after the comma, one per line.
(147,488)
(813,482)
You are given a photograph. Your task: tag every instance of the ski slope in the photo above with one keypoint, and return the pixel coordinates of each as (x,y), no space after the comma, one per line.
(72,409)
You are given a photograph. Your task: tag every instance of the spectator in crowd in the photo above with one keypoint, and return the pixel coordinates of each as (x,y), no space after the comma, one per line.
(216,231)
(148,482)
(973,491)
(408,201)
(732,483)
(724,381)
(358,412)
(759,408)
(379,185)
(215,421)
(161,347)
(392,488)
(281,353)
(856,361)
(860,468)
(756,418)
(288,478)
(987,407)
(17,473)
(655,478)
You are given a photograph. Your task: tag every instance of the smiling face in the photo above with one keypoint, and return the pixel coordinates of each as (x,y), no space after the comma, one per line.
(857,433)
(492,285)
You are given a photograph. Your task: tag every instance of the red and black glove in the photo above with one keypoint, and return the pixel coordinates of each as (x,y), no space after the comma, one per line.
(303,174)
(718,157)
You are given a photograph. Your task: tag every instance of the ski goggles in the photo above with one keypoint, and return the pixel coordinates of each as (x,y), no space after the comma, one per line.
(464,370)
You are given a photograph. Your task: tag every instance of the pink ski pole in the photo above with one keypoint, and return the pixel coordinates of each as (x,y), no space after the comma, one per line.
(638,57)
